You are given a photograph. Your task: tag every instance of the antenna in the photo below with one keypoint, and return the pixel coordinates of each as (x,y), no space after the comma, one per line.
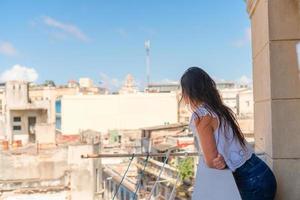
(147,47)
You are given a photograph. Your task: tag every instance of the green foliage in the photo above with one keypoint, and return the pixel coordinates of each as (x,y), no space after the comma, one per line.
(186,168)
(49,83)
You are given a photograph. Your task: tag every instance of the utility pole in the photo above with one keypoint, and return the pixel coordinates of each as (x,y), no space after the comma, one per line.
(147,47)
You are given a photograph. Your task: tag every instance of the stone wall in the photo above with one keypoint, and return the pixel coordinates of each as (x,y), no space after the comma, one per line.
(275,35)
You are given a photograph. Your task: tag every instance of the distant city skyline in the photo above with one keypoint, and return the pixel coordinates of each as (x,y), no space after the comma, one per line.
(61,41)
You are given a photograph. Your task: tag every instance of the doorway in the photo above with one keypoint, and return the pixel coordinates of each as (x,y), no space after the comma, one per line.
(31,129)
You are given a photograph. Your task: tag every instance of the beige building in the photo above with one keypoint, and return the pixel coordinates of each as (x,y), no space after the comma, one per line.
(162,88)
(50,93)
(2,107)
(86,82)
(55,173)
(86,86)
(27,112)
(245,103)
(2,89)
(22,119)
(237,97)
(104,112)
(239,100)
(129,86)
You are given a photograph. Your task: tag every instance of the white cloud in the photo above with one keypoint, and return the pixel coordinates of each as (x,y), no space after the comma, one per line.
(19,72)
(244,80)
(7,49)
(245,40)
(69,29)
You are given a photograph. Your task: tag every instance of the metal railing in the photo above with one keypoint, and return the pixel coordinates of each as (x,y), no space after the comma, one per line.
(144,168)
(107,155)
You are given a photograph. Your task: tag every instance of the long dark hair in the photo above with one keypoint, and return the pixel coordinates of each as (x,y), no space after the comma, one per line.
(199,87)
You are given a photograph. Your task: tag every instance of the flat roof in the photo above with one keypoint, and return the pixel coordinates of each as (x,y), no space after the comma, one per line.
(162,127)
(164,146)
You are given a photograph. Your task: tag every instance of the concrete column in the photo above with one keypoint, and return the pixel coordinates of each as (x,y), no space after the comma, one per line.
(275,35)
(83,172)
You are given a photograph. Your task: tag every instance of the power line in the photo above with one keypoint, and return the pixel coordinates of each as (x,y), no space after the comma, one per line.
(119,185)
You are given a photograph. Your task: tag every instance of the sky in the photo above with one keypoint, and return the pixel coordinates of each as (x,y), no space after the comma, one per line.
(104,40)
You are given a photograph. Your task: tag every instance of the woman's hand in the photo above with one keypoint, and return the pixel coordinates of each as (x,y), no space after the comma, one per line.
(219,162)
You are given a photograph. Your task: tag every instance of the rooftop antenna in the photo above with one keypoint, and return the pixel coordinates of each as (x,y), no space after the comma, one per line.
(147,47)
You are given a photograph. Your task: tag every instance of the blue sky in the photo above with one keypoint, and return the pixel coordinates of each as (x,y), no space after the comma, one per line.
(104,40)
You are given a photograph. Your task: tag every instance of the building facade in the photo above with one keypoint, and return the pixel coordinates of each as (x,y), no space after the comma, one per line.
(22,119)
(108,112)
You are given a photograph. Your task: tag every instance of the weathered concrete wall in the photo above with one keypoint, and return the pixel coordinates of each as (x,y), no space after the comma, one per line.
(83,172)
(16,93)
(51,171)
(23,134)
(38,196)
(45,133)
(43,166)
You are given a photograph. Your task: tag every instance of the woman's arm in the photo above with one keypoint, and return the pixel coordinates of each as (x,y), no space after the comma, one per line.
(205,128)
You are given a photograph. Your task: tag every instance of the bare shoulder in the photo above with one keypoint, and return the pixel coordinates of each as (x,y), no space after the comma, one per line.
(205,122)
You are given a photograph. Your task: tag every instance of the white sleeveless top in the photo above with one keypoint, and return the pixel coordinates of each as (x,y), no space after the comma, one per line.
(235,155)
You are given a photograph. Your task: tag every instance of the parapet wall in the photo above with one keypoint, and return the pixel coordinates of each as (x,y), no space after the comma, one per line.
(59,170)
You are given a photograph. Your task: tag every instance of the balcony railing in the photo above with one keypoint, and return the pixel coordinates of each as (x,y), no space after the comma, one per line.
(212,184)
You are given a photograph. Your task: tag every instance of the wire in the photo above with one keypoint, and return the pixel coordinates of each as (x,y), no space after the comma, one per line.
(161,170)
(177,179)
(141,176)
(119,185)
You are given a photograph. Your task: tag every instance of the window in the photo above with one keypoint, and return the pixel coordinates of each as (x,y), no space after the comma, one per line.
(58,122)
(16,128)
(58,106)
(17,119)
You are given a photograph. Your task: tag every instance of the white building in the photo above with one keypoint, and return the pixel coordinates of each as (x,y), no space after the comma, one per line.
(237,97)
(86,82)
(163,87)
(104,112)
(246,103)
(230,98)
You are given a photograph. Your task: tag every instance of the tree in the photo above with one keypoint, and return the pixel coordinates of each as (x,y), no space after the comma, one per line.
(49,83)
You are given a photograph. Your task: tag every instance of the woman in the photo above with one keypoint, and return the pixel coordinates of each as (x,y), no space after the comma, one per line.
(222,142)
